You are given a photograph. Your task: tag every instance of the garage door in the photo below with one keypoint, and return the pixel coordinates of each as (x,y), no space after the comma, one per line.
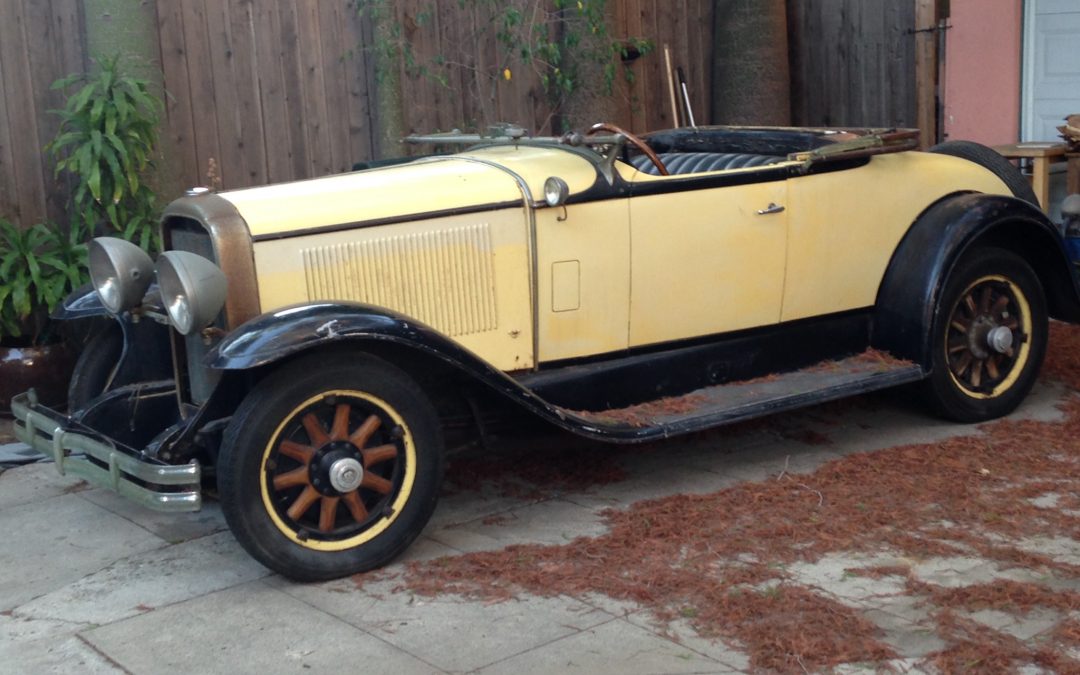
(1051,67)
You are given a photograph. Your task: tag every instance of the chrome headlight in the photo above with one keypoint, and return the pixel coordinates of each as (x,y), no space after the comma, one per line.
(556,191)
(120,271)
(192,288)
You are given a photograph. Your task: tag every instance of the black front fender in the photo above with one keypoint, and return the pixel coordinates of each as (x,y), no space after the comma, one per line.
(920,267)
(272,337)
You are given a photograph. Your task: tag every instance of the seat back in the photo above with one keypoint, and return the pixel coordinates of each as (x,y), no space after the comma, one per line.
(679,163)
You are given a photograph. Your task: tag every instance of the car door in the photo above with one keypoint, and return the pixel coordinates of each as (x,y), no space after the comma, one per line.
(707,254)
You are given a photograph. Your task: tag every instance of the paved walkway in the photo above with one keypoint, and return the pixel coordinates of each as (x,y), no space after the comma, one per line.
(93,584)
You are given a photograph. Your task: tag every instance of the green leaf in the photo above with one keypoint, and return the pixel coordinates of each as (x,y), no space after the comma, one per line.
(93,181)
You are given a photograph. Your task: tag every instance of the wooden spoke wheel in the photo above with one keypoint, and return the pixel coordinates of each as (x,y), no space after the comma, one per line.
(330,466)
(989,336)
(335,467)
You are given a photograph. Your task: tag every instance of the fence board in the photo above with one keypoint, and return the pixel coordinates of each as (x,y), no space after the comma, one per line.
(852,62)
(22,117)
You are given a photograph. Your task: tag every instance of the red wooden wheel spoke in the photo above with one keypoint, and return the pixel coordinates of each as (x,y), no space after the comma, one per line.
(291,479)
(999,306)
(301,453)
(1011,324)
(984,301)
(340,430)
(969,303)
(308,497)
(328,513)
(382,453)
(960,325)
(355,506)
(992,368)
(965,361)
(377,483)
(976,374)
(362,435)
(958,347)
(315,431)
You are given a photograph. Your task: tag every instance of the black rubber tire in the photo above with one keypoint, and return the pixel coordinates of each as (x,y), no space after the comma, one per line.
(261,423)
(942,389)
(993,162)
(95,365)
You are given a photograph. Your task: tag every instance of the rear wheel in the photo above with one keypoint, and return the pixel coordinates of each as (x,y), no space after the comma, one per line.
(989,337)
(331,466)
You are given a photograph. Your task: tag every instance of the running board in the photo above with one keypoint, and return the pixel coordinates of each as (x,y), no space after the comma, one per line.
(739,401)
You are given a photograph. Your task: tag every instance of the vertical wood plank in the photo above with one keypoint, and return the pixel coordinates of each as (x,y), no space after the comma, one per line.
(202,90)
(361,83)
(9,183)
(332,28)
(179,135)
(314,108)
(25,140)
(275,118)
(926,68)
(289,40)
(239,108)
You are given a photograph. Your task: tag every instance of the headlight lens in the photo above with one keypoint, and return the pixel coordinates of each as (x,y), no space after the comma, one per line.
(192,288)
(121,272)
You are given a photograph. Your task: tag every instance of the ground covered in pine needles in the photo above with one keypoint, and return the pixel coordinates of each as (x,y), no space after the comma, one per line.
(734,563)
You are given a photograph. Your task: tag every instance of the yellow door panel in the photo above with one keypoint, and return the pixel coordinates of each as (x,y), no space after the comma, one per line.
(466,276)
(583,280)
(706,261)
(845,225)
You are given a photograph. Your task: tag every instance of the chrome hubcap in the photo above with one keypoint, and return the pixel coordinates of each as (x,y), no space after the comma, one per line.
(346,474)
(1000,339)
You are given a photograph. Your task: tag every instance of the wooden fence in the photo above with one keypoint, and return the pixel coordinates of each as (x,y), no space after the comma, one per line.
(852,62)
(275,90)
(40,41)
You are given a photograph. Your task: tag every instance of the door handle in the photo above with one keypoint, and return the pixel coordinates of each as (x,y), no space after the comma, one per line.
(771,208)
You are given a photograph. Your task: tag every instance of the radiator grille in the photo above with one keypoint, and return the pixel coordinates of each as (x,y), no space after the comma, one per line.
(443,278)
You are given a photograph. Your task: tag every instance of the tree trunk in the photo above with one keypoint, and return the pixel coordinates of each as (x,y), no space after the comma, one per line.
(751,79)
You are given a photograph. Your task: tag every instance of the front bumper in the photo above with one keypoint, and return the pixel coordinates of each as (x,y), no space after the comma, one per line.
(156,485)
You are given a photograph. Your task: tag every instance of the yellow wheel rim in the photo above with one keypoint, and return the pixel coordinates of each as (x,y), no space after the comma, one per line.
(317,443)
(989,314)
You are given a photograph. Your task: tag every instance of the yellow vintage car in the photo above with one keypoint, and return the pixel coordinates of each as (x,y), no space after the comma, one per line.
(304,344)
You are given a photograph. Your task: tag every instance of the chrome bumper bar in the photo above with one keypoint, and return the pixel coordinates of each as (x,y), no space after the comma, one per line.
(119,470)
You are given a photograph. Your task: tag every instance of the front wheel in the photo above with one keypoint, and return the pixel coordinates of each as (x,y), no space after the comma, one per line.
(989,337)
(330,466)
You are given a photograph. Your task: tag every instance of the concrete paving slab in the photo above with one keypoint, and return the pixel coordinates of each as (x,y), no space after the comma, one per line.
(450,632)
(33,483)
(550,522)
(141,583)
(1060,549)
(959,571)
(682,633)
(53,542)
(830,575)
(68,655)
(1022,626)
(468,505)
(908,639)
(172,527)
(247,629)
(616,647)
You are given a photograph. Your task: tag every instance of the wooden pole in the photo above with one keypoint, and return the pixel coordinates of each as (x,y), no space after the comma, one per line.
(671,88)
(926,71)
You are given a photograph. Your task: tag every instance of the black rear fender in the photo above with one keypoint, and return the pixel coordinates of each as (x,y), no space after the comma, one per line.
(921,264)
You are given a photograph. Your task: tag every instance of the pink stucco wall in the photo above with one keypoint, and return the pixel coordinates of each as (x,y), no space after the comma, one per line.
(982,71)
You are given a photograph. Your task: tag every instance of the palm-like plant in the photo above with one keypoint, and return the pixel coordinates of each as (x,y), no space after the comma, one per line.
(107,135)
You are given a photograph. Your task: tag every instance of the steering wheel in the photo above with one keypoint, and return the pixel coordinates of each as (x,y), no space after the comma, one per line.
(634,141)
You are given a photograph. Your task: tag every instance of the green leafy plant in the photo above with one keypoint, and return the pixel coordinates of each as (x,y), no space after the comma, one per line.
(108,131)
(566,43)
(38,267)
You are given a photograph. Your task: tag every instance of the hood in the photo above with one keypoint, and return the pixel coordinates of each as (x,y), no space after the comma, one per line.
(487,177)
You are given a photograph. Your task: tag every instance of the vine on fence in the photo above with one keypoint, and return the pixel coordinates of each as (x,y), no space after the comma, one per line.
(566,43)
